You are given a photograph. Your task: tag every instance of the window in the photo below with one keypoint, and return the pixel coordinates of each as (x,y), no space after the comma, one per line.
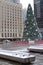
(5,27)
(8,25)
(13,34)
(10,34)
(38,10)
(5,24)
(5,34)
(16,34)
(8,30)
(19,34)
(13,19)
(2,34)
(13,27)
(11,30)
(2,29)
(10,22)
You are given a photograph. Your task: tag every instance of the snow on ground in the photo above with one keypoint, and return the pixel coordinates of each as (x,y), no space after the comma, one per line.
(38,46)
(18,54)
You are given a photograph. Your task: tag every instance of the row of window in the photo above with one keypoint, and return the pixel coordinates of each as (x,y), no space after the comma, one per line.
(10,35)
(10,8)
(11,19)
(11,30)
(4,30)
(13,27)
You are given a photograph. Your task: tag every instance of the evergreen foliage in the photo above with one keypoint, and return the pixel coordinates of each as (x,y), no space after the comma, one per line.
(30,27)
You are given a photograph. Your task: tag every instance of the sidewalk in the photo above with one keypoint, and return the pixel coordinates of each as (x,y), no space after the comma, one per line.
(10,46)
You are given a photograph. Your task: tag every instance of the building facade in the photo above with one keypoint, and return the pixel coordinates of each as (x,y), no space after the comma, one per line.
(11,23)
(38,10)
(16,1)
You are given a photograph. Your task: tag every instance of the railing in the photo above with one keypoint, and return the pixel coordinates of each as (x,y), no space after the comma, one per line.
(20,42)
(27,42)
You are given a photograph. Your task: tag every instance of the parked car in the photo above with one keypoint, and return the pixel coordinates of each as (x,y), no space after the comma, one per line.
(6,41)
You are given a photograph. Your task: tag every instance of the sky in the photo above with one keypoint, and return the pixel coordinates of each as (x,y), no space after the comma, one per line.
(26,2)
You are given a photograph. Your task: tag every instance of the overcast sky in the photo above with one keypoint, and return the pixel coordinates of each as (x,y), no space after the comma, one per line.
(26,2)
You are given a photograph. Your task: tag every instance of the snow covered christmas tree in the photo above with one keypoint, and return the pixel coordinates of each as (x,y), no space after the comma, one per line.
(30,27)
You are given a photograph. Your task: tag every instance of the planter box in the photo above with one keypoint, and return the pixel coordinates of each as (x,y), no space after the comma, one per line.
(17,56)
(36,48)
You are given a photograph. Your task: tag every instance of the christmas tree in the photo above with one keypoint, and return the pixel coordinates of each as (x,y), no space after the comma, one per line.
(30,27)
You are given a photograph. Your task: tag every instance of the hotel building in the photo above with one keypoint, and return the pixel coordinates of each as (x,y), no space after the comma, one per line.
(15,1)
(11,23)
(38,10)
